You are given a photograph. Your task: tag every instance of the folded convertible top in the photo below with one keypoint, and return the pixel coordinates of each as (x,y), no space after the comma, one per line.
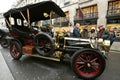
(35,11)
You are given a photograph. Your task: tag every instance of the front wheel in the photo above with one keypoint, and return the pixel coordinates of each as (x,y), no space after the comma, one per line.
(16,50)
(88,63)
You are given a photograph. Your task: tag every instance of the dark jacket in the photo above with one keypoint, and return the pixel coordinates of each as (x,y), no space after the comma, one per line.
(104,34)
(84,34)
(112,38)
(76,32)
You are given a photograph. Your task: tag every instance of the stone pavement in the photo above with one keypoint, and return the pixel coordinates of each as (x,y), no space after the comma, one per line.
(5,73)
(115,46)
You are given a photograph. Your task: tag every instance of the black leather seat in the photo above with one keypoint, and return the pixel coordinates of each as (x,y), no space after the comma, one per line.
(22,32)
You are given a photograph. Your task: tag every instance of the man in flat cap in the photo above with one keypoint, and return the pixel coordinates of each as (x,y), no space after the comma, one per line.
(103,33)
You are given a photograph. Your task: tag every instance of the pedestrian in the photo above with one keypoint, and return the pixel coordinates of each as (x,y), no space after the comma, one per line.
(93,33)
(76,31)
(112,36)
(85,32)
(103,33)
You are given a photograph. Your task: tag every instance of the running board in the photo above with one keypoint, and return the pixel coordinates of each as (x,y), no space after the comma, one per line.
(49,58)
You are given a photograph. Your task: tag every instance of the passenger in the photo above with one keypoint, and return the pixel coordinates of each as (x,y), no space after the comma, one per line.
(76,31)
(85,32)
(103,33)
(112,36)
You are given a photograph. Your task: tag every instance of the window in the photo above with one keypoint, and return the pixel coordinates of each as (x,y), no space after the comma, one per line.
(66,2)
(114,7)
(11,19)
(67,16)
(25,23)
(67,13)
(91,11)
(19,22)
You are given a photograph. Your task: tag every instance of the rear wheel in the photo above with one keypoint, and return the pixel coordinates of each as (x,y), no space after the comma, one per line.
(16,50)
(5,43)
(88,63)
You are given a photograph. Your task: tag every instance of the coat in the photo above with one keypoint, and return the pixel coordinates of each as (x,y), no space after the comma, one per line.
(112,38)
(104,34)
(84,34)
(76,32)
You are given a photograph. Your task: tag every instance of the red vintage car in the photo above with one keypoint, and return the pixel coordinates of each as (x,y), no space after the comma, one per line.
(86,61)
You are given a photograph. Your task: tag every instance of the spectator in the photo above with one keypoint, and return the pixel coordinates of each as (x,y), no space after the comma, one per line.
(76,31)
(112,36)
(103,33)
(84,33)
(92,33)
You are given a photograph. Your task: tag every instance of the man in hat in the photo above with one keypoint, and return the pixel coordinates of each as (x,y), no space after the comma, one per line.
(103,33)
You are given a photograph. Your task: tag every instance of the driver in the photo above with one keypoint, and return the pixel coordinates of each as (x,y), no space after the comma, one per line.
(36,27)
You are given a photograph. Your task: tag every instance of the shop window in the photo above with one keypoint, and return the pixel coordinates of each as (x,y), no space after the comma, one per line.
(113,21)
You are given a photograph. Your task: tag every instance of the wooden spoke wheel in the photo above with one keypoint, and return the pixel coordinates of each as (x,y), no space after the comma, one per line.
(15,50)
(5,43)
(88,63)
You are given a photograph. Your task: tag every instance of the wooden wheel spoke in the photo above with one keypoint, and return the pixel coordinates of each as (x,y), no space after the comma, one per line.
(82,59)
(93,60)
(81,67)
(88,58)
(80,62)
(94,68)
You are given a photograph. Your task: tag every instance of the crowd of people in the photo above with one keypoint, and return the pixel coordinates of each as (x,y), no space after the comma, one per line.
(93,33)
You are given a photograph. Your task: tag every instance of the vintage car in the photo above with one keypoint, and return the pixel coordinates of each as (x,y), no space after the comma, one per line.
(86,61)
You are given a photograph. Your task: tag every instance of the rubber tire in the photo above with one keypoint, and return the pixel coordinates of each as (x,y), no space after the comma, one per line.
(18,48)
(51,42)
(5,41)
(79,52)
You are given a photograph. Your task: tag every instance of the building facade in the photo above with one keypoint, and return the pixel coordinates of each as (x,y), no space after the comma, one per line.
(96,12)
